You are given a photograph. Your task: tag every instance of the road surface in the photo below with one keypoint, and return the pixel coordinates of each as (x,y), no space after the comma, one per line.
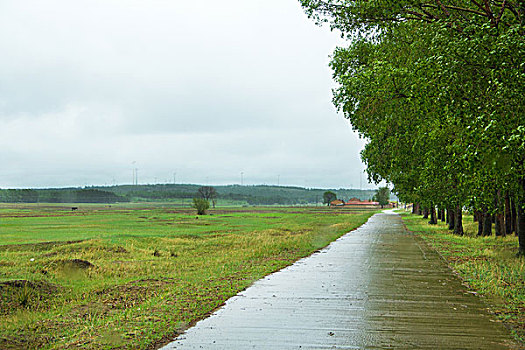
(378,287)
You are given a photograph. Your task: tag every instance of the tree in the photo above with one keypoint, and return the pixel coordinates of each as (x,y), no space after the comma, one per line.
(328,197)
(436,87)
(208,193)
(201,205)
(382,196)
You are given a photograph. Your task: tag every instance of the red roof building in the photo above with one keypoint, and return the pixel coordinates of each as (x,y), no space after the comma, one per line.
(355,201)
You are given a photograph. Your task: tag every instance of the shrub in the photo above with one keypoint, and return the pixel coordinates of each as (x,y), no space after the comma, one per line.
(201,205)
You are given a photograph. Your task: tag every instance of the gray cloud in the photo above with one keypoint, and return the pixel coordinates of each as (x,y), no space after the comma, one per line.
(206,89)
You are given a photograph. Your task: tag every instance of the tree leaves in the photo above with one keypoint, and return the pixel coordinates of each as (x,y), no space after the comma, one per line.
(437,89)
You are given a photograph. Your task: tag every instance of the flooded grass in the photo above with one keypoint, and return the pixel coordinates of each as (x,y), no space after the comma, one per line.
(488,265)
(135,276)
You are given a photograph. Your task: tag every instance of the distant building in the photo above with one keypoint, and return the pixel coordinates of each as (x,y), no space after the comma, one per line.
(337,203)
(356,201)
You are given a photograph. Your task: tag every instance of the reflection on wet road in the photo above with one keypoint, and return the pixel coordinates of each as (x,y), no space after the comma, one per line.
(377,287)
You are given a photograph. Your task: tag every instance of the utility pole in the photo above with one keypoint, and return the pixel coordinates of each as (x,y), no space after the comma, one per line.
(242,179)
(174,178)
(133,170)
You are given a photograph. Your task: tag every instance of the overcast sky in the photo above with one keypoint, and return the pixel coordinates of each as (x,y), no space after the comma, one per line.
(205,89)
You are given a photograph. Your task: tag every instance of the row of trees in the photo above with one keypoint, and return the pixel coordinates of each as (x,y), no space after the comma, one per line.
(382,196)
(256,194)
(437,88)
(59,196)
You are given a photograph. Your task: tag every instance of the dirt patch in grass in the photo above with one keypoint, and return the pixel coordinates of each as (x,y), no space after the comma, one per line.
(129,294)
(243,211)
(24,294)
(76,264)
(42,246)
(117,249)
(32,215)
(37,285)
(180,211)
(21,341)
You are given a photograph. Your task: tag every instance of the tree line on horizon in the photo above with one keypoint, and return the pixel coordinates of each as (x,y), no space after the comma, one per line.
(252,195)
(437,88)
(59,196)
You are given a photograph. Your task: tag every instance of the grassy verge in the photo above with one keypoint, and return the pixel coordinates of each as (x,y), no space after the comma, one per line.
(133,277)
(487,264)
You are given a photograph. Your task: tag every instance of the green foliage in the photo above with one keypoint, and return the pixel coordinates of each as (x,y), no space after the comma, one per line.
(328,197)
(60,196)
(24,295)
(382,196)
(201,205)
(436,88)
(208,193)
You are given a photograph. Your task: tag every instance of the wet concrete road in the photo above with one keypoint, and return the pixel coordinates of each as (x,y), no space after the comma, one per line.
(377,287)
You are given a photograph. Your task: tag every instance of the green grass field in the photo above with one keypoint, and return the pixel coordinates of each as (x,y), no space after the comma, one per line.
(134,276)
(488,265)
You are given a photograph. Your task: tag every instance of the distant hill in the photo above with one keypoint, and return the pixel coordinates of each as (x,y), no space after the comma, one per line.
(231,194)
(255,195)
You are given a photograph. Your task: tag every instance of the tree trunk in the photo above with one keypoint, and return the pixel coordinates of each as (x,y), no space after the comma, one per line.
(451,214)
(458,218)
(508,216)
(439,214)
(443,215)
(433,220)
(520,218)
(447,216)
(499,219)
(499,225)
(513,215)
(487,223)
(416,209)
(425,213)
(479,215)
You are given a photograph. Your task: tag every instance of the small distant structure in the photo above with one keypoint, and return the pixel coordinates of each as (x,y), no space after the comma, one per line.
(337,203)
(356,201)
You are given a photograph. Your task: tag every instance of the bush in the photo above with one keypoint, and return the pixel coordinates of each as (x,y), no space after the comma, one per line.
(201,205)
